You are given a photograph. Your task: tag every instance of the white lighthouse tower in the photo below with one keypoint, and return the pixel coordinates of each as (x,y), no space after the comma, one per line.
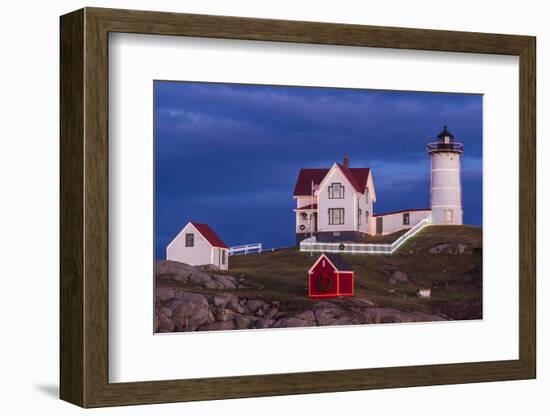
(446,188)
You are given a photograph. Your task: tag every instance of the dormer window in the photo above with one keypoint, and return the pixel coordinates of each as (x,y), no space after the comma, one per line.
(336,191)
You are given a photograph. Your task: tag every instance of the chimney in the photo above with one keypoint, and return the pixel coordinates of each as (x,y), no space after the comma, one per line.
(346,161)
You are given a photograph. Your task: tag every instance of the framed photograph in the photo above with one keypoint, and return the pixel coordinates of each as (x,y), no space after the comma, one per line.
(255,207)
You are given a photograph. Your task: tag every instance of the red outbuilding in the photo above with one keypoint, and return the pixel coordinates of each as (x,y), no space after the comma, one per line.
(330,276)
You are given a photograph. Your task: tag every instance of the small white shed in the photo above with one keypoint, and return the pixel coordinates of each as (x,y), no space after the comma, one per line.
(197,244)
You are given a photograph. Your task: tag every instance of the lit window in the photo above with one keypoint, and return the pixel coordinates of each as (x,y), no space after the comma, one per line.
(406,218)
(449,215)
(336,216)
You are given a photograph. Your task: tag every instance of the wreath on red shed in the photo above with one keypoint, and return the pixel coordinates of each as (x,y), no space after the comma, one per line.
(321,286)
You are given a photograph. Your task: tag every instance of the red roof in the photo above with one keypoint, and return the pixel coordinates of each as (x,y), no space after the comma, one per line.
(311,206)
(305,177)
(356,176)
(209,234)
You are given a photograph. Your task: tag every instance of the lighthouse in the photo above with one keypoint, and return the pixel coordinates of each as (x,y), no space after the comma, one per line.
(446,188)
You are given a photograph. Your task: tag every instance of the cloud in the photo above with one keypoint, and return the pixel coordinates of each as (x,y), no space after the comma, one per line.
(226,152)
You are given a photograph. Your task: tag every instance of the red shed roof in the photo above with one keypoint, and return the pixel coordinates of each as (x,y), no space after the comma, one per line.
(209,234)
(339,263)
(356,176)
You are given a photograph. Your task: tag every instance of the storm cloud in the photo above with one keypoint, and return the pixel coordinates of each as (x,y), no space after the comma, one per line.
(229,154)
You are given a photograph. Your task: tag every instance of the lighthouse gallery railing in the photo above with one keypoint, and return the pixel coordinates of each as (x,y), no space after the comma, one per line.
(311,245)
(454,147)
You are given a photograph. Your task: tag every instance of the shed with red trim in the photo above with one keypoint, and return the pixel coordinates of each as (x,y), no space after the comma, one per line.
(330,276)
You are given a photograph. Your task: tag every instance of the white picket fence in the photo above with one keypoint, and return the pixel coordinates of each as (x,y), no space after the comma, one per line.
(245,249)
(311,245)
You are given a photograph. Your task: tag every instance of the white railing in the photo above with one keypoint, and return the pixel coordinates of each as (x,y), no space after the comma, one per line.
(245,249)
(311,244)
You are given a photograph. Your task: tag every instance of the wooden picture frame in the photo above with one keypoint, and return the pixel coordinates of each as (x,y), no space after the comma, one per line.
(84,207)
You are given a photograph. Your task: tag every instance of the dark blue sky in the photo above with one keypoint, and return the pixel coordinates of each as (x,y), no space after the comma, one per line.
(228,154)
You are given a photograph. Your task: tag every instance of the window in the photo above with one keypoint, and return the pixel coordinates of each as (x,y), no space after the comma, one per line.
(367,195)
(223,256)
(366,217)
(336,216)
(189,240)
(336,191)
(406,218)
(359,215)
(449,215)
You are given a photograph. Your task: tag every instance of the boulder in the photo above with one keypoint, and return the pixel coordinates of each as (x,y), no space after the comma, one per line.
(243,321)
(165,293)
(208,268)
(387,269)
(165,324)
(451,248)
(235,305)
(191,310)
(221,300)
(225,315)
(254,305)
(327,315)
(291,322)
(181,272)
(218,326)
(199,278)
(390,315)
(263,323)
(191,317)
(225,282)
(271,313)
(212,285)
(202,276)
(306,316)
(398,277)
(191,297)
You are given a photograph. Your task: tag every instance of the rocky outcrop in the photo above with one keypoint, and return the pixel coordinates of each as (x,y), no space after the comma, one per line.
(201,277)
(451,248)
(398,277)
(189,307)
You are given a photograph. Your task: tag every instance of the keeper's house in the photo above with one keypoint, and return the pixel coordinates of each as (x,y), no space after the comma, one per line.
(197,244)
(337,203)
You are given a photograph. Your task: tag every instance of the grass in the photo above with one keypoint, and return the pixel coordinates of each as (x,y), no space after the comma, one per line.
(455,280)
